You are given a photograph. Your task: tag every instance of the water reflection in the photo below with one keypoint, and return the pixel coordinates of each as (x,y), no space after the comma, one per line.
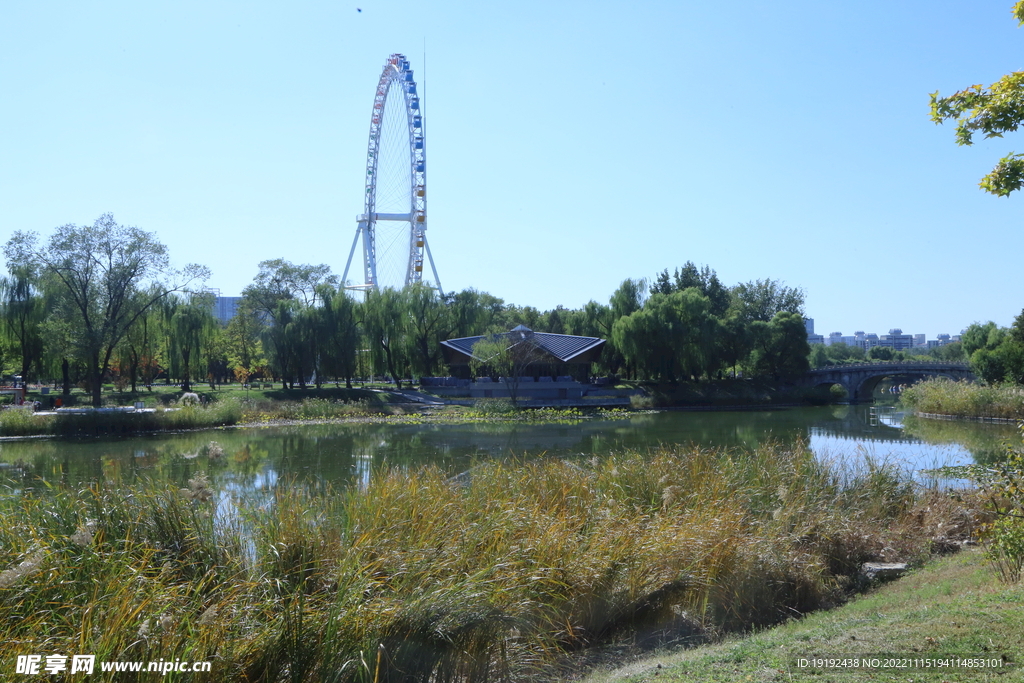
(253,460)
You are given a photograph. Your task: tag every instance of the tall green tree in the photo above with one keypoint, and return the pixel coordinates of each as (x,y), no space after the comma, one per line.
(673,336)
(286,299)
(780,348)
(192,326)
(138,350)
(472,312)
(628,298)
(244,347)
(100,269)
(341,336)
(642,341)
(385,321)
(735,342)
(279,279)
(429,323)
(290,342)
(625,300)
(705,280)
(764,299)
(996,354)
(24,311)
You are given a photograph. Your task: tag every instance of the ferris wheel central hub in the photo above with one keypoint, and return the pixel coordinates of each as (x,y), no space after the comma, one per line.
(396,181)
(401,217)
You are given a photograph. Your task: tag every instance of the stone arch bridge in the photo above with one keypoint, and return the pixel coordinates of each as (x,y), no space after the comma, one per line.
(860,379)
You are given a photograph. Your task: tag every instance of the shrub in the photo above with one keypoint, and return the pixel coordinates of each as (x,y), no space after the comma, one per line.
(1005,547)
(641,402)
(494,406)
(1002,484)
(322,409)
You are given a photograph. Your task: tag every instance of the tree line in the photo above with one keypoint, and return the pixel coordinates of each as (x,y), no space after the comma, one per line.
(101,303)
(996,354)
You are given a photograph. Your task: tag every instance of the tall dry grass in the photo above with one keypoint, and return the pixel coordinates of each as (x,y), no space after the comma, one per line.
(493,576)
(947,397)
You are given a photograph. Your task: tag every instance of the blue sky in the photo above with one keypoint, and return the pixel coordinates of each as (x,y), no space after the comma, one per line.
(570,145)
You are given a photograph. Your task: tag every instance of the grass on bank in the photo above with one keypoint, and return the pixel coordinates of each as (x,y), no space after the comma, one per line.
(502,575)
(944,396)
(734,392)
(229,408)
(954,606)
(226,411)
(167,395)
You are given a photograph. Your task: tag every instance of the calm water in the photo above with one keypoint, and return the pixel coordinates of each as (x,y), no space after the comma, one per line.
(254,459)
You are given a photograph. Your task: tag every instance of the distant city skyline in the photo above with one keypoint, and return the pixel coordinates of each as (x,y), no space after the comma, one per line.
(895,337)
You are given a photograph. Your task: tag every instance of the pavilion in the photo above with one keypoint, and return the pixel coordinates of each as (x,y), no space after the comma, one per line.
(558,356)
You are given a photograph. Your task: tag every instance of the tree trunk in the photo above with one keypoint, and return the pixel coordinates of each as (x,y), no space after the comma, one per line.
(65,370)
(96,380)
(391,367)
(186,384)
(134,369)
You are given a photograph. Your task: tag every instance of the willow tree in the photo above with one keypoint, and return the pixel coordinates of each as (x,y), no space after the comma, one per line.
(429,323)
(24,312)
(385,322)
(340,335)
(191,326)
(107,276)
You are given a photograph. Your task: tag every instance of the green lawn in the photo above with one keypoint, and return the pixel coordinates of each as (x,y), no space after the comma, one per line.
(953,606)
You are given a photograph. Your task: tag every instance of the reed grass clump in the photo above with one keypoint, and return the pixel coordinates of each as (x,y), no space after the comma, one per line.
(22,422)
(326,409)
(189,415)
(497,575)
(966,399)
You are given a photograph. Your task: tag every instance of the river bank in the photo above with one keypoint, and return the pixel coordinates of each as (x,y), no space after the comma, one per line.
(233,411)
(917,627)
(167,411)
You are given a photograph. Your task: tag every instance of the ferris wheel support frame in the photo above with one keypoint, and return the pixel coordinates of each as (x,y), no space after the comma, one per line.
(396,73)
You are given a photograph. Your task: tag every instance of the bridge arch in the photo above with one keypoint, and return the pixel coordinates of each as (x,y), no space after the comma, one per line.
(867,387)
(861,379)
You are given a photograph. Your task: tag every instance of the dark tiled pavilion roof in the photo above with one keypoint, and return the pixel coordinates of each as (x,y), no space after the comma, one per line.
(566,348)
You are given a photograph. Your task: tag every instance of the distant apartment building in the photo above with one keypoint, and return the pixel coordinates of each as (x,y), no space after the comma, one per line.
(896,340)
(225,308)
(865,341)
(840,338)
(812,338)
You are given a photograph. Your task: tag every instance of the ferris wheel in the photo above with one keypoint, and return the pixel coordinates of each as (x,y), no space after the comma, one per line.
(393,226)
